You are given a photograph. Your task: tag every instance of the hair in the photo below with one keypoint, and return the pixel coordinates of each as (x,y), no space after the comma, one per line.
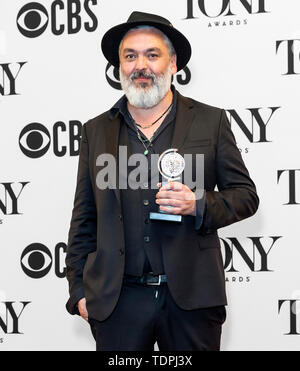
(167,41)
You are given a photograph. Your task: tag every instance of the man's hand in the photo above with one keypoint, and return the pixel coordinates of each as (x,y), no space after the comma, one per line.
(82,309)
(181,198)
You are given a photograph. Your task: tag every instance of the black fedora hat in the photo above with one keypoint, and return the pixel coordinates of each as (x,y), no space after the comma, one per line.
(112,38)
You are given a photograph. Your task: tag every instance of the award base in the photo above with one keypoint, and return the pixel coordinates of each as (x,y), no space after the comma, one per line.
(165,217)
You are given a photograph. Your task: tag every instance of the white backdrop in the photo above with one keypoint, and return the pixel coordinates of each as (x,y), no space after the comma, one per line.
(246,62)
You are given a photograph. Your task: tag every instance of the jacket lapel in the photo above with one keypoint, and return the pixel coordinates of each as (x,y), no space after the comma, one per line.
(112,134)
(117,135)
(184,118)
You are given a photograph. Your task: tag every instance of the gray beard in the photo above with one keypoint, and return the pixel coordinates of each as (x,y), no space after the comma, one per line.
(150,96)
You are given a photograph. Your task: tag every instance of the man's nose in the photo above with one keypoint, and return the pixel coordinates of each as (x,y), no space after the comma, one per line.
(141,62)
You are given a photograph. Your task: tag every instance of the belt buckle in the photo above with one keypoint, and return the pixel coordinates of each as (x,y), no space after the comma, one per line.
(155,283)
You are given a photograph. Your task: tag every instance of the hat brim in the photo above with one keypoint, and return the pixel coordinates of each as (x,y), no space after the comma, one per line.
(112,38)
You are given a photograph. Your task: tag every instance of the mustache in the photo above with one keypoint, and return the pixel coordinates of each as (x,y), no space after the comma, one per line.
(138,74)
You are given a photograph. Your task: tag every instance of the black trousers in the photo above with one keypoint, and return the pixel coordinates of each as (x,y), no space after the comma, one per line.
(146,314)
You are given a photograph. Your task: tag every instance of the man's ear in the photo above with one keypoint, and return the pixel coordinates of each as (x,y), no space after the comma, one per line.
(174,64)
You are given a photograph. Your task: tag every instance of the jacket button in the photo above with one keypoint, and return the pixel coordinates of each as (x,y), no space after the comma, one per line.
(146,202)
(121,251)
(120,217)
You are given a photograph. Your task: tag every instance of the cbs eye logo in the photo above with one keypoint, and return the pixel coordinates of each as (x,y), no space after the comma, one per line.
(35,139)
(36,260)
(33,18)
(113,77)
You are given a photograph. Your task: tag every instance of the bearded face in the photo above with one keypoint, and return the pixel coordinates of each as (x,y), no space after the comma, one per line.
(146,67)
(146,89)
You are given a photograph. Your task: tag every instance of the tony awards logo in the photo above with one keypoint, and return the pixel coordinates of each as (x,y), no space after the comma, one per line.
(171,165)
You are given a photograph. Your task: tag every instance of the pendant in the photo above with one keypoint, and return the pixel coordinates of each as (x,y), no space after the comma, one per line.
(146,152)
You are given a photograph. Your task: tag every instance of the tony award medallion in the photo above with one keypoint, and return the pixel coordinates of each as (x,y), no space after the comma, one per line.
(171,165)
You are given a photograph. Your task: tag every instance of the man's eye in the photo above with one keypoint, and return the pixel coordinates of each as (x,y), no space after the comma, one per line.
(130,56)
(152,56)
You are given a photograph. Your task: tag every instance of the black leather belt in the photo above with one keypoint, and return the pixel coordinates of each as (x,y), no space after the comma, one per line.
(146,279)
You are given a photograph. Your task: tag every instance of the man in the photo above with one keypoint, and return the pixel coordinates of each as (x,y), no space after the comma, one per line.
(138,280)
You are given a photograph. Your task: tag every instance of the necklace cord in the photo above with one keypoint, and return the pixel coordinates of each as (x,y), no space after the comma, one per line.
(145,127)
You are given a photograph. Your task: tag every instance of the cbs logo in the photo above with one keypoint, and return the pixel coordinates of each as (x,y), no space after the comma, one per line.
(36,260)
(35,139)
(63,16)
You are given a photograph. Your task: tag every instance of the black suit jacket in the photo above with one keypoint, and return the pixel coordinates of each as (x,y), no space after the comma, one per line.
(192,259)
